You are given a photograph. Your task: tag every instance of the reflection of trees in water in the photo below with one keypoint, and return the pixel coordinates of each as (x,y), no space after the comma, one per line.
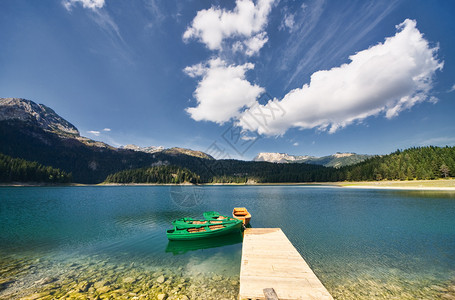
(426,194)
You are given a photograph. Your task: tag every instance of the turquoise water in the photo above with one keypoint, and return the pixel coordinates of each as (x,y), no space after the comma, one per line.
(88,242)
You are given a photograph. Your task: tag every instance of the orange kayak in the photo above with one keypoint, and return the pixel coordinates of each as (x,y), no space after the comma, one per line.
(242,214)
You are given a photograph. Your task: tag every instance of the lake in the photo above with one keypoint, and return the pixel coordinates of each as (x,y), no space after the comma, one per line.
(110,241)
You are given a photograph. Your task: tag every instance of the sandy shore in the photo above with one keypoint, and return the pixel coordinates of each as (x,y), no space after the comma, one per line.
(426,185)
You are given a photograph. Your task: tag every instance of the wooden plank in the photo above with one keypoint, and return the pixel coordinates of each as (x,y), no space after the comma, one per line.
(270,261)
(270,294)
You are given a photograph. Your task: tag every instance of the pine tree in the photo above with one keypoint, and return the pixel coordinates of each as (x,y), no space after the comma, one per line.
(444,170)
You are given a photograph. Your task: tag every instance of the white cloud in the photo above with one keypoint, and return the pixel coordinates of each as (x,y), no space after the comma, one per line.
(212,26)
(196,70)
(452,89)
(222,92)
(300,56)
(104,20)
(254,44)
(157,14)
(247,137)
(238,47)
(94,132)
(107,129)
(288,22)
(91,4)
(386,78)
(295,144)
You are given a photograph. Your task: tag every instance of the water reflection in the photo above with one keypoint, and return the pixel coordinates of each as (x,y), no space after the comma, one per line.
(182,247)
(425,194)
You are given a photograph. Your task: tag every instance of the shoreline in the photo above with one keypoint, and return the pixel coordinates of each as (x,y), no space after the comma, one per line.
(372,187)
(419,185)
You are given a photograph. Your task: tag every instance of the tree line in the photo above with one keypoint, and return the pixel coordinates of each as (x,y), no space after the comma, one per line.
(413,163)
(157,174)
(226,171)
(21,170)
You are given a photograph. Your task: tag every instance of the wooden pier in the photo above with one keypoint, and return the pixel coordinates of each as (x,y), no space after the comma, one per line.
(270,261)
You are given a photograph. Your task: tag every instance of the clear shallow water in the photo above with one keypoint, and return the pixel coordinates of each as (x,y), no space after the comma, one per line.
(110,241)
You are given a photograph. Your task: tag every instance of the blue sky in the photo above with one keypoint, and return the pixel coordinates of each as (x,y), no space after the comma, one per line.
(234,78)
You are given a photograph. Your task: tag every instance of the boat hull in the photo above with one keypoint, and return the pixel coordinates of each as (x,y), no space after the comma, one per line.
(182,234)
(241,213)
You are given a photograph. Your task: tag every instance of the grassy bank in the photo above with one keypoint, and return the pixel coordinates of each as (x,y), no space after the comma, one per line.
(440,184)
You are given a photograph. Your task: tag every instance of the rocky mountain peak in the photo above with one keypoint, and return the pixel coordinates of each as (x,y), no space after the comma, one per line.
(335,160)
(150,149)
(274,157)
(29,111)
(339,154)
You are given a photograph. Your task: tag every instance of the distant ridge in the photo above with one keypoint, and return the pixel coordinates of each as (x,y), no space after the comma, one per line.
(170,151)
(336,160)
(177,150)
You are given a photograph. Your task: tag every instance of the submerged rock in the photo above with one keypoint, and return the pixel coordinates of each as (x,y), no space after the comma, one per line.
(161,279)
(83,286)
(35,296)
(161,296)
(129,280)
(103,289)
(100,284)
(45,280)
(216,277)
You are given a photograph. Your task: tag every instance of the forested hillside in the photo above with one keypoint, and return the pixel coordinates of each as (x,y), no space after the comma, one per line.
(235,171)
(413,163)
(21,170)
(227,171)
(159,174)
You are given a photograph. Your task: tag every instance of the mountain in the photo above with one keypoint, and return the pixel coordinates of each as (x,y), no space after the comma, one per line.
(150,149)
(34,132)
(336,160)
(170,151)
(178,151)
(279,157)
(43,116)
(29,112)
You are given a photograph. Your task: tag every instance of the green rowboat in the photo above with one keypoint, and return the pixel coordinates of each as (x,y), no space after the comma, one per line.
(200,231)
(189,222)
(212,215)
